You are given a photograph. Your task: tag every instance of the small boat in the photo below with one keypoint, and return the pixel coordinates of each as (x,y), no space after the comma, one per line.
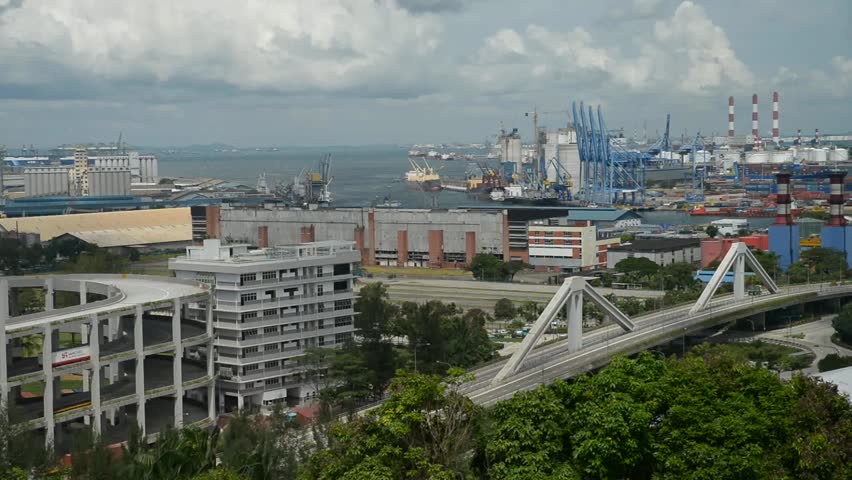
(388,203)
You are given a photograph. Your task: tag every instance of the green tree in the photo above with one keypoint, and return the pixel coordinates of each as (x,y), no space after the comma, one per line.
(842,323)
(833,361)
(770,261)
(467,340)
(404,437)
(708,416)
(637,268)
(711,231)
(677,276)
(504,309)
(486,267)
(530,311)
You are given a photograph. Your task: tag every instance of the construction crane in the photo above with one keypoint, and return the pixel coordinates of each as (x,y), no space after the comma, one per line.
(699,173)
(662,144)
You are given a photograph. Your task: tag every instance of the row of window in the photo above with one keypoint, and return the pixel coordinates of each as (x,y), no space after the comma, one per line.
(340,269)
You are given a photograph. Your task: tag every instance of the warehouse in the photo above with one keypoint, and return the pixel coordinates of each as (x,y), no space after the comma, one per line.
(662,251)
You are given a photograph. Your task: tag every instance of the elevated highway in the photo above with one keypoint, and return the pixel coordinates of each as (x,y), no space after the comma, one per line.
(546,364)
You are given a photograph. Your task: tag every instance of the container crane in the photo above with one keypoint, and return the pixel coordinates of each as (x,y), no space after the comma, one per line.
(663,144)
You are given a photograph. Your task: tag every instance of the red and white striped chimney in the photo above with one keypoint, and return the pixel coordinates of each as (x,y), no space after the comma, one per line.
(799,136)
(755,134)
(775,136)
(816,136)
(783,216)
(730,116)
(836,198)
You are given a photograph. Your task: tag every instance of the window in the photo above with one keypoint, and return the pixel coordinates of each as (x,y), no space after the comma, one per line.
(272,381)
(270,294)
(319,272)
(247,297)
(320,307)
(270,275)
(273,364)
(319,290)
(247,278)
(342,269)
(342,304)
(250,368)
(320,324)
(548,234)
(249,350)
(250,333)
(270,313)
(342,337)
(342,321)
(321,341)
(270,330)
(249,316)
(272,347)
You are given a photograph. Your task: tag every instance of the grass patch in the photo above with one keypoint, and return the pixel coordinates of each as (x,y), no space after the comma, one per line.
(416,272)
(775,357)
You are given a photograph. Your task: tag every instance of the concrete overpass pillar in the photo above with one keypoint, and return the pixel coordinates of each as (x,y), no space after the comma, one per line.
(47,372)
(95,353)
(177,364)
(739,278)
(574,310)
(4,364)
(48,294)
(84,292)
(139,347)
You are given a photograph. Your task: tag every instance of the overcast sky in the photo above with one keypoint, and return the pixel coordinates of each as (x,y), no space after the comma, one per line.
(332,72)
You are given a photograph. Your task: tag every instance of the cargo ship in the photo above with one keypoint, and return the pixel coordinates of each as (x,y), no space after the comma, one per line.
(424,177)
(740,212)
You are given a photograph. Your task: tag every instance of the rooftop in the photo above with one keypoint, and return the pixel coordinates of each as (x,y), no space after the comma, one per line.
(109,229)
(842,377)
(657,245)
(215,252)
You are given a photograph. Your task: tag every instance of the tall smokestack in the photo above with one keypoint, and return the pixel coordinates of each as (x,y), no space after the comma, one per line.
(775,136)
(835,198)
(799,136)
(816,136)
(783,216)
(730,116)
(755,134)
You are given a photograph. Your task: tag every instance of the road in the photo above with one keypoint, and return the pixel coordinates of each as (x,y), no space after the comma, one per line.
(817,338)
(551,362)
(469,294)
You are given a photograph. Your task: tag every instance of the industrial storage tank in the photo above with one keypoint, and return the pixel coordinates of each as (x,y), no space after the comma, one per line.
(838,155)
(109,181)
(757,157)
(781,156)
(819,155)
(46,181)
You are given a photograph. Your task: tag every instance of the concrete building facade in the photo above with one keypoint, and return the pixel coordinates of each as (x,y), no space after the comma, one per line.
(271,305)
(558,245)
(393,237)
(139,348)
(660,251)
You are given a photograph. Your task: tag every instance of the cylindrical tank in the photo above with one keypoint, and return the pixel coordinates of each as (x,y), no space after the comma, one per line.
(757,157)
(781,156)
(820,155)
(838,155)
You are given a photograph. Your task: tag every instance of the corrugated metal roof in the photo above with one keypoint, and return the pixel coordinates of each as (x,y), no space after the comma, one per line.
(132,227)
(123,237)
(601,214)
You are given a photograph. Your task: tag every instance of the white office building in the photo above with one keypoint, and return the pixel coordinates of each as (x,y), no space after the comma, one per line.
(271,305)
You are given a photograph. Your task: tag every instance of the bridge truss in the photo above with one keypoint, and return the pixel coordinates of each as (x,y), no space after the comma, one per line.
(572,292)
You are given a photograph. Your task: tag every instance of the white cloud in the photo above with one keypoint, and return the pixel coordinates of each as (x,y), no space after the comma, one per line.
(279,45)
(686,52)
(710,58)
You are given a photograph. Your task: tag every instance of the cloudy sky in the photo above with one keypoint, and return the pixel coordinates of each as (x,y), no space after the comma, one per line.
(330,72)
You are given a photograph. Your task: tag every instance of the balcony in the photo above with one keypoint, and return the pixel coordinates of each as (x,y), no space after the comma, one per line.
(257,357)
(295,300)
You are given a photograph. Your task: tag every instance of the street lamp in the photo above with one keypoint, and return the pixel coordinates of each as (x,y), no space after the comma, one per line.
(417,344)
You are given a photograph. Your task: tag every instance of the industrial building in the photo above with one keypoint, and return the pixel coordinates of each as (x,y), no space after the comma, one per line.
(558,244)
(660,251)
(431,238)
(271,305)
(161,228)
(715,249)
(114,351)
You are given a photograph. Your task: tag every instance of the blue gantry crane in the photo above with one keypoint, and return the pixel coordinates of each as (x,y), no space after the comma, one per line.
(610,173)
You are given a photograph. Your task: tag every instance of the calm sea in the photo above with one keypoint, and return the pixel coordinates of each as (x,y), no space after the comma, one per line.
(360,176)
